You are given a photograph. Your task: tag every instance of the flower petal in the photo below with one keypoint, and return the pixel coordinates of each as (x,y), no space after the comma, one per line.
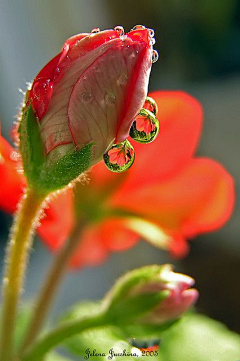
(59,220)
(12,182)
(180,117)
(100,239)
(198,199)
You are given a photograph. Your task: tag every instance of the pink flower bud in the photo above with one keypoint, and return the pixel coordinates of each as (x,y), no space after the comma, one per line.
(150,296)
(179,299)
(92,91)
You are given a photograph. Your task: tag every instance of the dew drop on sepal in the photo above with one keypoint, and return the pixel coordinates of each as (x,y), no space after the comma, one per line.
(145,127)
(119,157)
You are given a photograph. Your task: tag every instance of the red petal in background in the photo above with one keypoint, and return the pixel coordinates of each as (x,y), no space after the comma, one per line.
(59,220)
(12,183)
(199,198)
(180,117)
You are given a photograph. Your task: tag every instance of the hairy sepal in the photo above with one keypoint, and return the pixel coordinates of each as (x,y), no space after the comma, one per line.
(41,174)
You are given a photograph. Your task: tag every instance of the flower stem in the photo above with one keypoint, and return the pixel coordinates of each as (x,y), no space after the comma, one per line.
(49,289)
(20,242)
(38,349)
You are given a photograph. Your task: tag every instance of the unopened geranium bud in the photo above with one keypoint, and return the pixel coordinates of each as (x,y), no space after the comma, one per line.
(83,102)
(152,295)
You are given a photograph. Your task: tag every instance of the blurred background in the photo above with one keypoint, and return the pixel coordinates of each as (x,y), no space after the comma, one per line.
(199,47)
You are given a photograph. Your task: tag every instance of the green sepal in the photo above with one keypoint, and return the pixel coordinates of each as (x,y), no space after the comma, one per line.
(31,146)
(129,309)
(65,170)
(41,174)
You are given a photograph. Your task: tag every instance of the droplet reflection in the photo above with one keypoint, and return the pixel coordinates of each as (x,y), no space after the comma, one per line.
(119,157)
(145,127)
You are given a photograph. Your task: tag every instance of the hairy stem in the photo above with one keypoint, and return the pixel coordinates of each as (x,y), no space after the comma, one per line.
(38,349)
(50,287)
(20,242)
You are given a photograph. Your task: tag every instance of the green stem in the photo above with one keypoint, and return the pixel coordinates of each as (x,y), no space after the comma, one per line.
(50,287)
(20,242)
(37,350)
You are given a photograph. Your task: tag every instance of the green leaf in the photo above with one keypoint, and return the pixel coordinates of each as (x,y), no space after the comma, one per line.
(54,356)
(65,170)
(102,340)
(31,145)
(199,338)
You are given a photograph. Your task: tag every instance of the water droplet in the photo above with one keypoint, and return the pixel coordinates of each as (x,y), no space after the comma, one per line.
(58,74)
(110,99)
(95,30)
(122,80)
(152,41)
(119,157)
(151,105)
(86,97)
(138,27)
(119,30)
(145,127)
(42,87)
(154,56)
(151,33)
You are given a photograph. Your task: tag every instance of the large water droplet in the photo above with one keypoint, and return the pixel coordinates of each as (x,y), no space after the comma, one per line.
(119,30)
(154,56)
(86,97)
(110,99)
(145,127)
(119,157)
(95,30)
(151,105)
(138,27)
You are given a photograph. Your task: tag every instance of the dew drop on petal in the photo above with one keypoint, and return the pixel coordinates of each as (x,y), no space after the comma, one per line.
(153,41)
(110,99)
(151,105)
(145,127)
(138,27)
(122,80)
(119,157)
(119,30)
(151,33)
(42,88)
(86,97)
(154,56)
(95,30)
(58,74)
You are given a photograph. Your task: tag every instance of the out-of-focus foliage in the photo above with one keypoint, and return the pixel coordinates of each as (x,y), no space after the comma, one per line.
(197,39)
(199,338)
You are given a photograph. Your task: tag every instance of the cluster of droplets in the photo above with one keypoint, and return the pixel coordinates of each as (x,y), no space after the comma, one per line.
(152,41)
(120,30)
(144,129)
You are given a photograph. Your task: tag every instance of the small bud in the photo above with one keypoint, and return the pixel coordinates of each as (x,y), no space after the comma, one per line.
(152,295)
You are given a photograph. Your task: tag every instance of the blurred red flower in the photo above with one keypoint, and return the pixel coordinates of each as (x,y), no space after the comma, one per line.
(167,197)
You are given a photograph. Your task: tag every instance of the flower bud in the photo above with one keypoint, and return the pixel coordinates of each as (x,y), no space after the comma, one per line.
(152,295)
(83,101)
